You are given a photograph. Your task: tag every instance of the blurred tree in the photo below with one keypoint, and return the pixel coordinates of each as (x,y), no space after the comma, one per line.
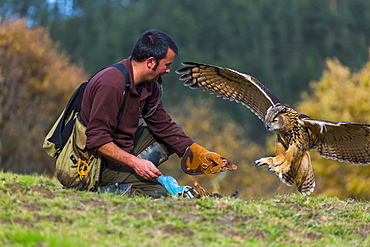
(35,82)
(340,96)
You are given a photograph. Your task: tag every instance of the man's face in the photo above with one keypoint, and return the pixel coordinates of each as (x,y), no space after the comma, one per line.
(163,66)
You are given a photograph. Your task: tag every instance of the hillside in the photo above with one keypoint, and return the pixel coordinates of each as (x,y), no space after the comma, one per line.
(35,211)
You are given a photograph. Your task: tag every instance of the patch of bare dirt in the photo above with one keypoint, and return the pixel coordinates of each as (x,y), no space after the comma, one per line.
(14,188)
(43,190)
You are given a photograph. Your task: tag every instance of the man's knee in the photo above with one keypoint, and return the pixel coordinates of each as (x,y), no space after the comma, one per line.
(149,147)
(157,153)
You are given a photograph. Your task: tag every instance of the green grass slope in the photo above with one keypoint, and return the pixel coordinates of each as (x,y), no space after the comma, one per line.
(35,211)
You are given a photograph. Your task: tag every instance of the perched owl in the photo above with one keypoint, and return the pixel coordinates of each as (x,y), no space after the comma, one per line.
(296,134)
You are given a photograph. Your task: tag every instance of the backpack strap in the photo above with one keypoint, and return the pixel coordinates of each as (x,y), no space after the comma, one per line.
(64,129)
(124,72)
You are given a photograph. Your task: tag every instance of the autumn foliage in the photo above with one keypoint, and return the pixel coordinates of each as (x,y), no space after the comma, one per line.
(35,82)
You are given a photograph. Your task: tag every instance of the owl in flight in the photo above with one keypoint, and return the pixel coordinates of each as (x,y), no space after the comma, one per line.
(296,134)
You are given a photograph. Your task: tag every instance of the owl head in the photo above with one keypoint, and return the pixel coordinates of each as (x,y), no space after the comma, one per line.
(275,118)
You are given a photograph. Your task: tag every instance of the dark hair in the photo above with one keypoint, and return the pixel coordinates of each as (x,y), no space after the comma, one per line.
(153,43)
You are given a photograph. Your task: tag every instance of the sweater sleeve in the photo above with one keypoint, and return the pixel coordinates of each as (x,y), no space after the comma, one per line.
(105,96)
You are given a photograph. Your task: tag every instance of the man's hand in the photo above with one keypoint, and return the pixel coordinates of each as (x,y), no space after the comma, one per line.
(144,168)
(198,160)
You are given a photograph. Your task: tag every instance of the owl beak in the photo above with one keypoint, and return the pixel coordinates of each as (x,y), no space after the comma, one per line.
(268,126)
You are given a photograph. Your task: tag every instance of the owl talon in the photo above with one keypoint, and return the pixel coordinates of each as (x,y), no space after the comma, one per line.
(279,175)
(258,163)
(270,170)
(279,170)
(273,169)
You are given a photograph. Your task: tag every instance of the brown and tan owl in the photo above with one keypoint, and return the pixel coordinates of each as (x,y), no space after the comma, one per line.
(297,134)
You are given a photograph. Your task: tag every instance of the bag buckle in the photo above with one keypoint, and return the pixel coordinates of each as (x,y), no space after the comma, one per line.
(82,167)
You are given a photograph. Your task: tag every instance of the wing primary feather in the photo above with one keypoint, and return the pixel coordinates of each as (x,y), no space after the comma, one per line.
(229,84)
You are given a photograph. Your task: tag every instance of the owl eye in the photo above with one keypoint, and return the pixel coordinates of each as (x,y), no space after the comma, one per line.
(275,120)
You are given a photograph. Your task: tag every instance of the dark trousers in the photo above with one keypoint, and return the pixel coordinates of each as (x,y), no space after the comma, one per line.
(147,146)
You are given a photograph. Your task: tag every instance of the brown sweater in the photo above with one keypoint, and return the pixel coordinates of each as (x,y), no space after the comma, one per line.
(102,100)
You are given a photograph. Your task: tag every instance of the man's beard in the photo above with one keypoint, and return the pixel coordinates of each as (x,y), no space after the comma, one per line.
(157,78)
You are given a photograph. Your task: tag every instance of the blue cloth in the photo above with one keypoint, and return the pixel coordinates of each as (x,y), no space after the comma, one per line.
(170,184)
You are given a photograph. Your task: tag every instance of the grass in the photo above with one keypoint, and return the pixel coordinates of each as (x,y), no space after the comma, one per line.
(35,211)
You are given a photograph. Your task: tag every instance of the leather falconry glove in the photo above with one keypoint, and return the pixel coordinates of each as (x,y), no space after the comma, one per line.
(198,160)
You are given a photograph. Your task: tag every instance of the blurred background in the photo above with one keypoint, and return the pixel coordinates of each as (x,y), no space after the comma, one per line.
(313,54)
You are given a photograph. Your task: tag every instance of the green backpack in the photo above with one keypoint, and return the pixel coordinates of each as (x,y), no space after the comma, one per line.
(76,167)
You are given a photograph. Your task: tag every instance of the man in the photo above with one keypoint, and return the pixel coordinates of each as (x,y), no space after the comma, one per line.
(129,155)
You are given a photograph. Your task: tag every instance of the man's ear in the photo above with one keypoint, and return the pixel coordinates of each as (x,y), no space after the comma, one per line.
(150,62)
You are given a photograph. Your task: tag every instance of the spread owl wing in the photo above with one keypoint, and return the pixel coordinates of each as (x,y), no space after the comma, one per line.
(342,141)
(229,84)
